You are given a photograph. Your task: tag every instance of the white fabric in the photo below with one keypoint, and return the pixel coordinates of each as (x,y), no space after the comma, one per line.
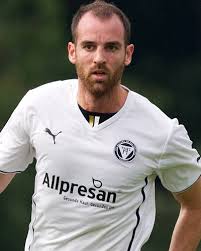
(94,187)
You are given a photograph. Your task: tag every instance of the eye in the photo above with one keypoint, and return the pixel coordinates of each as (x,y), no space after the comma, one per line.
(89,47)
(112,47)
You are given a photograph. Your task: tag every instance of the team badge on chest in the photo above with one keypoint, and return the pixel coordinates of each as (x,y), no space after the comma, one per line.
(125,150)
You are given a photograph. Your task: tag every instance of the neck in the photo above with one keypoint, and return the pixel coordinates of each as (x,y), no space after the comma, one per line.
(110,102)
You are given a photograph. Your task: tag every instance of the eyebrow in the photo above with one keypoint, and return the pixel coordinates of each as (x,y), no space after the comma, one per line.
(117,43)
(114,43)
(87,42)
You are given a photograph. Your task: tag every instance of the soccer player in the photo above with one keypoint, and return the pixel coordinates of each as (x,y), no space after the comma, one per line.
(99,147)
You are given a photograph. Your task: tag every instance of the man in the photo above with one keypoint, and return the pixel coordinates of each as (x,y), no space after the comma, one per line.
(99,147)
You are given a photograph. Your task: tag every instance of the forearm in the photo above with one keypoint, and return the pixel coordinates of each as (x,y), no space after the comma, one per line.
(187,232)
(5,179)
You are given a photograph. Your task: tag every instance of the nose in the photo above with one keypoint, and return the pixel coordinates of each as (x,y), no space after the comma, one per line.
(99,57)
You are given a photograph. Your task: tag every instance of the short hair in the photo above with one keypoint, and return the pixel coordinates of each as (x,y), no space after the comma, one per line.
(103,10)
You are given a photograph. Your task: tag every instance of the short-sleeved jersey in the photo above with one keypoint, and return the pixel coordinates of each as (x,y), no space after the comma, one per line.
(94,186)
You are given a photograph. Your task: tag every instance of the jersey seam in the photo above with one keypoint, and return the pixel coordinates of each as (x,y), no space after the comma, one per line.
(10,172)
(184,190)
(33,224)
(165,146)
(137,213)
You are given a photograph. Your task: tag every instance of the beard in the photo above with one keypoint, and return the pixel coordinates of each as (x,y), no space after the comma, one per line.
(99,88)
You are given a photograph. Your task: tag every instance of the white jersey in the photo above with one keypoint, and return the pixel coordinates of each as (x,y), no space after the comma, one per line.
(94,186)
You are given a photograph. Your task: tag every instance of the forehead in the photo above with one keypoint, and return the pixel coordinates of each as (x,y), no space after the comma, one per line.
(93,28)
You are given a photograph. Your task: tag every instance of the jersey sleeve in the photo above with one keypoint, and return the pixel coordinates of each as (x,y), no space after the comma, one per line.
(16,152)
(179,165)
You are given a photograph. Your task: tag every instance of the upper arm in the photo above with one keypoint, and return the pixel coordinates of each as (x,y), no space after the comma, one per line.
(190,198)
(5,179)
(179,165)
(16,151)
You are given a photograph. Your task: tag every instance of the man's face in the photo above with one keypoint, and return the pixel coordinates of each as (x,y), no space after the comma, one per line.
(99,53)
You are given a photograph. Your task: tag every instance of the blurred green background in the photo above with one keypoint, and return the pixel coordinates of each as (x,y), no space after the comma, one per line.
(166,68)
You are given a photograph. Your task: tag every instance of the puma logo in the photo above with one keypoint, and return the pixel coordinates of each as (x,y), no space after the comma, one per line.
(53,135)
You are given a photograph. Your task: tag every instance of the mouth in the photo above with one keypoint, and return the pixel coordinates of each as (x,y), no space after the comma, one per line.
(99,73)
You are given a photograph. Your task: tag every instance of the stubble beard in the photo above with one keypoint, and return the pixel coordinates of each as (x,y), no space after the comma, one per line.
(99,89)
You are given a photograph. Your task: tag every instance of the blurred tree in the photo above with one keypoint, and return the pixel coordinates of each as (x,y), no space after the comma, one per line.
(32,48)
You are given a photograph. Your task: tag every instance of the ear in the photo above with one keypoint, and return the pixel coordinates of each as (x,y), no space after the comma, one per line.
(71,52)
(129,53)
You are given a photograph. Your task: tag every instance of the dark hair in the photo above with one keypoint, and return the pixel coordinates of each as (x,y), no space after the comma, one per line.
(103,10)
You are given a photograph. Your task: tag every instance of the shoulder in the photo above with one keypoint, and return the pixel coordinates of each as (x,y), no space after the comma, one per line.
(49,92)
(56,88)
(149,120)
(148,112)
(46,97)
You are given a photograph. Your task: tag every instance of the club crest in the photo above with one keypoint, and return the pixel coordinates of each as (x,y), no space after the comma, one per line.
(125,150)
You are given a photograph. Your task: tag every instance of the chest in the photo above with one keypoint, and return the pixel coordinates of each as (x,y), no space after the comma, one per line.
(117,156)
